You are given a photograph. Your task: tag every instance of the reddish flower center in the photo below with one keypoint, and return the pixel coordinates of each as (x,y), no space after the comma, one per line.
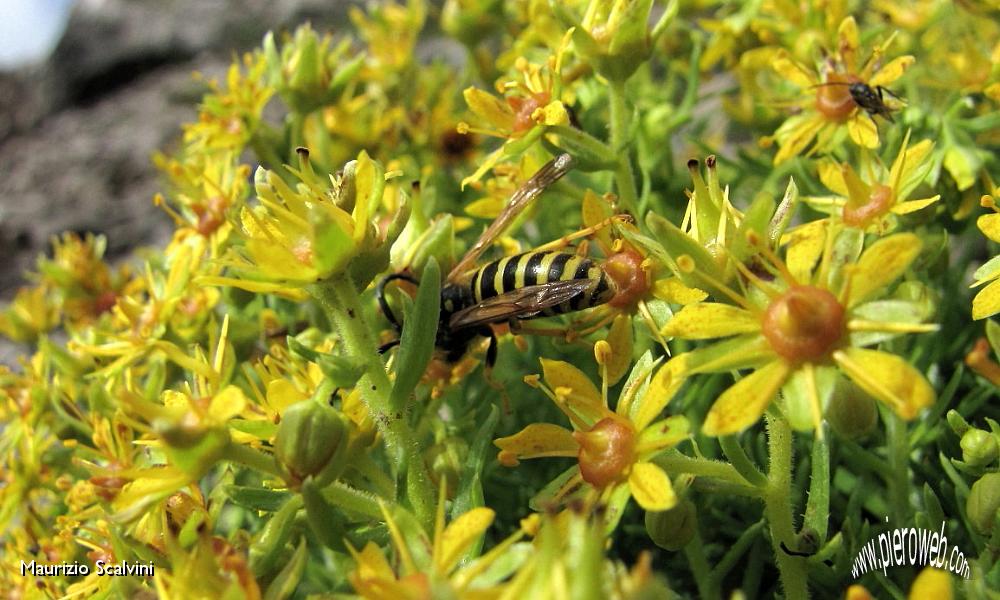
(631,284)
(804,324)
(833,99)
(524,108)
(606,451)
(879,202)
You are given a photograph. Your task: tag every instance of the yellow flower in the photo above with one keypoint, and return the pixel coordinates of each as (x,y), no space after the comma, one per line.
(828,108)
(228,118)
(614,449)
(568,559)
(31,314)
(391,31)
(870,202)
(156,307)
(987,301)
(298,236)
(190,428)
(798,330)
(929,583)
(428,568)
(204,188)
(210,568)
(520,117)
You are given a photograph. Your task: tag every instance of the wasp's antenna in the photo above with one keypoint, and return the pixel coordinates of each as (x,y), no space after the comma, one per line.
(384,304)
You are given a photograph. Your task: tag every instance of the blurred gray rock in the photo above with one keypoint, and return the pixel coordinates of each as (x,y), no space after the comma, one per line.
(77,132)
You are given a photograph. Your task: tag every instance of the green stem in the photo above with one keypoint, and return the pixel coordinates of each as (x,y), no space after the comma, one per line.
(818,505)
(620,125)
(695,553)
(675,462)
(778,507)
(741,462)
(899,466)
(736,551)
(353,499)
(255,459)
(340,300)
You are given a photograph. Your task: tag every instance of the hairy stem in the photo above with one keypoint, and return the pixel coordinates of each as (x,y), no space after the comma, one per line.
(778,507)
(342,304)
(621,119)
(255,459)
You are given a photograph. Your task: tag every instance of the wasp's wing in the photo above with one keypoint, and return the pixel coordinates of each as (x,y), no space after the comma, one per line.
(520,303)
(551,172)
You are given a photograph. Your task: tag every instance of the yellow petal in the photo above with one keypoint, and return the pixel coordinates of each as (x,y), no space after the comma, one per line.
(662,388)
(931,583)
(990,226)
(460,535)
(707,320)
(651,487)
(887,378)
(365,183)
(916,165)
(372,564)
(862,130)
(987,301)
(791,70)
(281,289)
(905,208)
(583,393)
(596,210)
(487,106)
(831,176)
(892,71)
(662,434)
(539,440)
(227,403)
(745,401)
(282,393)
(484,166)
(485,208)
(620,340)
(553,113)
(795,134)
(805,246)
(858,592)
(881,264)
(848,34)
(673,290)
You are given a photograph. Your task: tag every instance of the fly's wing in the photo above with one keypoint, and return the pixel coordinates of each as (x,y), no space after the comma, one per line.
(520,303)
(551,172)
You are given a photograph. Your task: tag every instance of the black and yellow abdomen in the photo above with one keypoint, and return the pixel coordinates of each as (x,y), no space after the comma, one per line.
(538,268)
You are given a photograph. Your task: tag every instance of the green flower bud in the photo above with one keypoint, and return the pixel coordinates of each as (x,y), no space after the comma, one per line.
(309,437)
(984,502)
(957,422)
(979,448)
(673,529)
(310,71)
(613,36)
(852,413)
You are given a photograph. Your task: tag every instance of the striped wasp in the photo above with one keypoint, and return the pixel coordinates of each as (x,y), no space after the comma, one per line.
(538,283)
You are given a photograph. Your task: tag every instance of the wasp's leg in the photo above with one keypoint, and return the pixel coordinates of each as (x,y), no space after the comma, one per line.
(566,240)
(384,304)
(491,351)
(881,89)
(387,346)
